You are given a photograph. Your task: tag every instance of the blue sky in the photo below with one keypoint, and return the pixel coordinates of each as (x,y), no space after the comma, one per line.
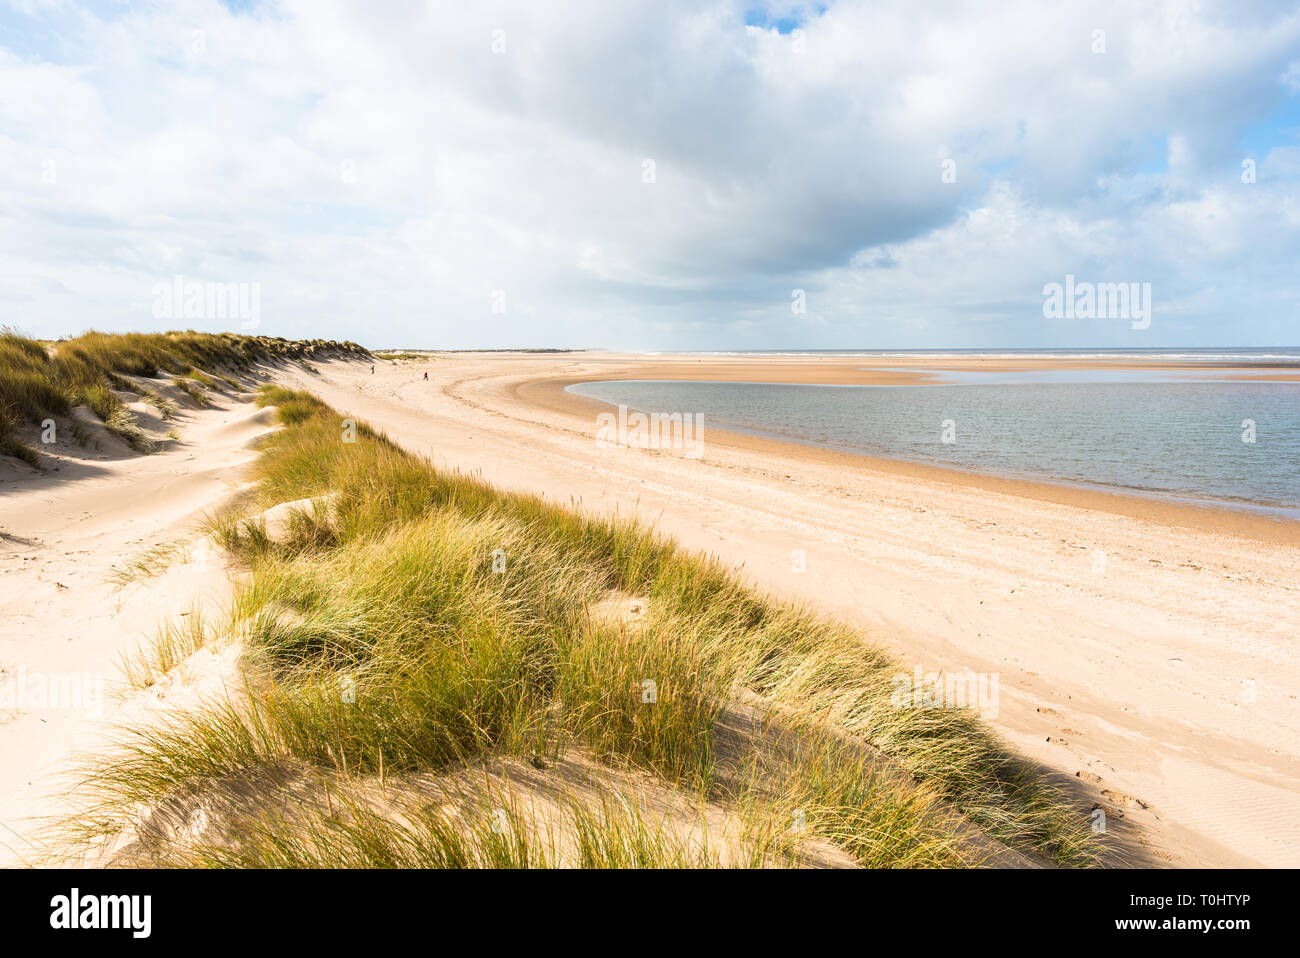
(654,175)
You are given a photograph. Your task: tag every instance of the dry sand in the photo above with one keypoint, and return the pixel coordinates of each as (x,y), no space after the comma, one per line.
(62,620)
(1161,685)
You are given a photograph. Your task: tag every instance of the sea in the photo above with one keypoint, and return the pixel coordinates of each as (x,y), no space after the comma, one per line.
(1189,435)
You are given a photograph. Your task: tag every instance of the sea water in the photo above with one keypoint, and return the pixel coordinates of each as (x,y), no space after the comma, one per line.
(1175,434)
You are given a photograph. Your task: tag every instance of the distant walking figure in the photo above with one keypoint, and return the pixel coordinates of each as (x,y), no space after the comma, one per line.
(372,370)
(426,375)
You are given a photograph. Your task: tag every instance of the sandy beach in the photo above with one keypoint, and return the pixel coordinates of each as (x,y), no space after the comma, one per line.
(1161,686)
(1130,681)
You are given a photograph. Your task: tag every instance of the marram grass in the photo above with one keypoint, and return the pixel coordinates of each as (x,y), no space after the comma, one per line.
(419,621)
(43,380)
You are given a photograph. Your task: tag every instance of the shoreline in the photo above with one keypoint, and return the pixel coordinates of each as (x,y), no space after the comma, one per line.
(552,393)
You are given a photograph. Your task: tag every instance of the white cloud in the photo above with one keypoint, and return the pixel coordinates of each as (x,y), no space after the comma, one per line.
(380,171)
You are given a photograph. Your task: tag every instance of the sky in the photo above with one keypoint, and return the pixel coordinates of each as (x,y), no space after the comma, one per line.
(657,175)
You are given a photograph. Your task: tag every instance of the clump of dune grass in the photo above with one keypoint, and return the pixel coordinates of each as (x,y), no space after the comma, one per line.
(397,355)
(150,561)
(191,389)
(11,445)
(122,424)
(166,408)
(27,389)
(117,419)
(204,379)
(101,399)
(423,619)
(172,644)
(487,828)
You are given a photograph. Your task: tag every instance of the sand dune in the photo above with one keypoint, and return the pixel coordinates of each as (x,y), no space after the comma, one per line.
(65,533)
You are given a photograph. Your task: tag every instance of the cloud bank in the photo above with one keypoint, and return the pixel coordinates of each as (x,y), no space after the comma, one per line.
(657,175)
